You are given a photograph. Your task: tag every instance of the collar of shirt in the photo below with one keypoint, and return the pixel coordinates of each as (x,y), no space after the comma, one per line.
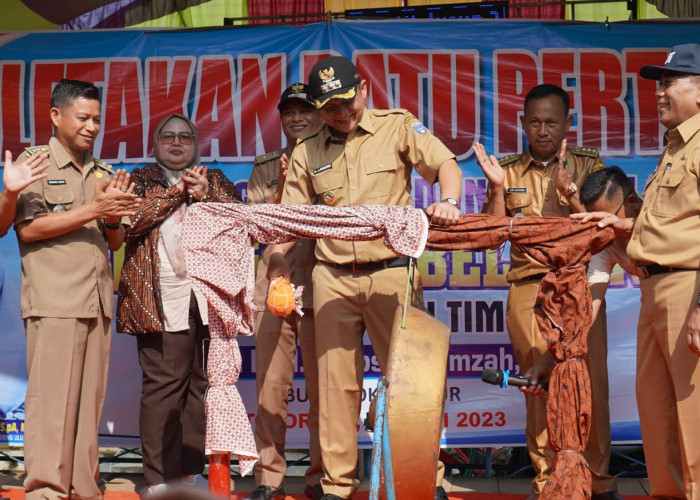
(683,132)
(63,159)
(529,161)
(365,124)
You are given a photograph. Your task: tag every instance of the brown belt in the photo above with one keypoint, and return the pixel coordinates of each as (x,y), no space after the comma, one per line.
(369,266)
(652,269)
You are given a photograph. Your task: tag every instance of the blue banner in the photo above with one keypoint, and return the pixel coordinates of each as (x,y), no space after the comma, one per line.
(464,79)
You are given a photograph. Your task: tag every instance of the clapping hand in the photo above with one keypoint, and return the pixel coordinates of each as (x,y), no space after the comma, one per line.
(16,177)
(281,177)
(115,199)
(195,182)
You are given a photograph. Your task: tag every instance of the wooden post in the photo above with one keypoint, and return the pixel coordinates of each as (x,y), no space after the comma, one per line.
(220,475)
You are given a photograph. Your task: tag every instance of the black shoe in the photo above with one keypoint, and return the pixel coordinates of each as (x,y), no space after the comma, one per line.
(314,492)
(330,496)
(608,495)
(440,493)
(266,493)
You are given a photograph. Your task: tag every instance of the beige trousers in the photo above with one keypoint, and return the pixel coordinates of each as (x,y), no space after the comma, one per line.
(668,382)
(67,362)
(346,304)
(275,353)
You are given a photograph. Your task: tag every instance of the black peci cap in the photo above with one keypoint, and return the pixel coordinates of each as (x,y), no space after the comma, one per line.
(298,91)
(334,77)
(684,58)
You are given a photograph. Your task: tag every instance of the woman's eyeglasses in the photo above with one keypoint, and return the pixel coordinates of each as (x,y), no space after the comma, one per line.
(169,137)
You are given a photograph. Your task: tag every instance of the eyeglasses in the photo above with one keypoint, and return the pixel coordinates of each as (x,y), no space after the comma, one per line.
(169,137)
(624,200)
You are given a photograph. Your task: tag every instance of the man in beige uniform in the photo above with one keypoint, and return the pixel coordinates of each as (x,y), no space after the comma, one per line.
(543,181)
(360,156)
(275,337)
(65,224)
(664,245)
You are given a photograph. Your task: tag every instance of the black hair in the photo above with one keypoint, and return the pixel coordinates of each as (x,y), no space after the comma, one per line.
(608,181)
(546,90)
(67,91)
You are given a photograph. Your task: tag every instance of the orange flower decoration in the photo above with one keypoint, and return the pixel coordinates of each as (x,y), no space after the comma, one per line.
(283,297)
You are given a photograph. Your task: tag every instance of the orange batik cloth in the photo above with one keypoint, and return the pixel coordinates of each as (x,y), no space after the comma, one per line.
(563,312)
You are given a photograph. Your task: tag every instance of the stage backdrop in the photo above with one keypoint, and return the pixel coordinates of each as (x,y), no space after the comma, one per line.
(465,80)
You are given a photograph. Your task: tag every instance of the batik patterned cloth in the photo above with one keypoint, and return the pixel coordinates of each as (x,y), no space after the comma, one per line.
(217,241)
(563,313)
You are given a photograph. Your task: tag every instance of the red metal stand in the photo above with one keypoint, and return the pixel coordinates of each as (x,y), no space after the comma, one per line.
(220,475)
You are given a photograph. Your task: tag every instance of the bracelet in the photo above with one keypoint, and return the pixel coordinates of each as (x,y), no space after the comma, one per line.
(113,226)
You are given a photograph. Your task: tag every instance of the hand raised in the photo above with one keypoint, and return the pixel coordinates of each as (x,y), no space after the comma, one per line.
(489,165)
(281,178)
(16,177)
(561,175)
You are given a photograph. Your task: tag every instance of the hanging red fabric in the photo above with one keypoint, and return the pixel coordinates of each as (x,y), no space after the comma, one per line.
(534,12)
(563,313)
(260,8)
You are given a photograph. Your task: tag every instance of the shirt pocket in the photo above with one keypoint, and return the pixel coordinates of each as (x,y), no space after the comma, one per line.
(670,197)
(327,185)
(381,177)
(58,198)
(519,203)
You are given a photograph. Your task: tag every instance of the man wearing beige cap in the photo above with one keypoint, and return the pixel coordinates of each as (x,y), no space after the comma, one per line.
(664,245)
(359,157)
(276,338)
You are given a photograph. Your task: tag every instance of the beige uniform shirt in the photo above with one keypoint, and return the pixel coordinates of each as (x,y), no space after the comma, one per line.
(530,189)
(667,228)
(261,187)
(68,276)
(372,166)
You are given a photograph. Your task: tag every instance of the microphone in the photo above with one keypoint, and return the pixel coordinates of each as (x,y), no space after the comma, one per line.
(504,379)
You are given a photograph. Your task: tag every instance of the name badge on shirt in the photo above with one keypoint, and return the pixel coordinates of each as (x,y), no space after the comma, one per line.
(325,167)
(56,182)
(272,183)
(517,190)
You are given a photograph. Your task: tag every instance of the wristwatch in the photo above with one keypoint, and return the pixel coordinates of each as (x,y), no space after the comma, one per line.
(113,226)
(571,190)
(451,201)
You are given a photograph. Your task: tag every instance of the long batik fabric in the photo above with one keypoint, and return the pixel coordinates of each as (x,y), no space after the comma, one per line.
(563,312)
(217,241)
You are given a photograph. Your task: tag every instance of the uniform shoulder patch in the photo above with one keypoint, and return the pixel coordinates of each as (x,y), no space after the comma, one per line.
(104,165)
(411,122)
(598,166)
(37,149)
(265,157)
(585,151)
(507,160)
